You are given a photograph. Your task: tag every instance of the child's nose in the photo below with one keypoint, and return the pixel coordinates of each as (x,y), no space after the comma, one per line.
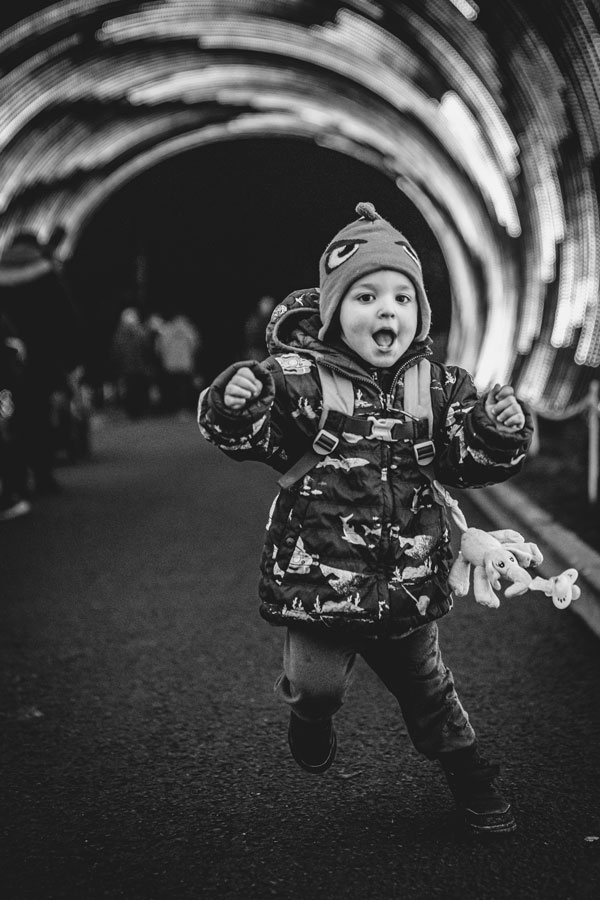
(387,307)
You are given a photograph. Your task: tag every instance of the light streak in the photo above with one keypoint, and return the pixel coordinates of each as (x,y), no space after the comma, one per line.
(489,124)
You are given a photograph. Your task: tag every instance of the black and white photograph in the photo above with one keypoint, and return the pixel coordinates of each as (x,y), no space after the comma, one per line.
(300,449)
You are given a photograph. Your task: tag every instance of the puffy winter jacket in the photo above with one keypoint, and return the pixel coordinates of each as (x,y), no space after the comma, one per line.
(359,543)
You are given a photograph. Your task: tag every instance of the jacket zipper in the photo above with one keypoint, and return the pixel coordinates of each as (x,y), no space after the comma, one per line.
(387,498)
(390,397)
(385,399)
(363,378)
(388,494)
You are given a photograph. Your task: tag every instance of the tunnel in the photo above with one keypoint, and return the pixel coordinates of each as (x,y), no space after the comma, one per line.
(201,153)
(219,228)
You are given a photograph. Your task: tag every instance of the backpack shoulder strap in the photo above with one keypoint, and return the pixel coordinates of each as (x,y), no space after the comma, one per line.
(417,402)
(338,395)
(338,392)
(417,392)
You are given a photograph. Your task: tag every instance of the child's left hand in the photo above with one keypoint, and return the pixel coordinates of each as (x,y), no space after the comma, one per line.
(503,408)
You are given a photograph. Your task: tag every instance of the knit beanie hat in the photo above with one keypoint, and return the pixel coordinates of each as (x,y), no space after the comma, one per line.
(363,247)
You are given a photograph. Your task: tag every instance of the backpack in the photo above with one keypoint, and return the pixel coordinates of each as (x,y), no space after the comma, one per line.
(337,416)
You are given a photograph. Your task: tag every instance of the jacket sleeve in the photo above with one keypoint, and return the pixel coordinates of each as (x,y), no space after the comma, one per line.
(252,433)
(470,450)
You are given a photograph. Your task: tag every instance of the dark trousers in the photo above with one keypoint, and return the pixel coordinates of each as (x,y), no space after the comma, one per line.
(317,670)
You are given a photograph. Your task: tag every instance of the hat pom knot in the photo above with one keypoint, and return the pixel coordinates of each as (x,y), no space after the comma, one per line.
(367,211)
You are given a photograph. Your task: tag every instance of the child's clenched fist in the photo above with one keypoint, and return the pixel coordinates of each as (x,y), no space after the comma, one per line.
(504,409)
(243,387)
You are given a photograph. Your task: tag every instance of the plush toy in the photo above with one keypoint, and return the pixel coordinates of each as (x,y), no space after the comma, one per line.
(493,555)
(496,555)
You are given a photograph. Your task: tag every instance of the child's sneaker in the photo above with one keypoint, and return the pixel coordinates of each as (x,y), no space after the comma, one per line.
(313,744)
(483,807)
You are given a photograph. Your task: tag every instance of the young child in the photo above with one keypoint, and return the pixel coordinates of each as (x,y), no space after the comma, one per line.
(357,551)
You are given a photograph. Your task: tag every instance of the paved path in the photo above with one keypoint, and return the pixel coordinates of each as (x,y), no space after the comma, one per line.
(144,755)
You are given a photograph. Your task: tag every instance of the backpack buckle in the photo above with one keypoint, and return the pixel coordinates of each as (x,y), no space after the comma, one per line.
(381,429)
(424,452)
(325,442)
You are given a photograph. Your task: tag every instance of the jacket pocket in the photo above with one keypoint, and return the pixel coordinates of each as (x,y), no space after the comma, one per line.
(417,542)
(287,530)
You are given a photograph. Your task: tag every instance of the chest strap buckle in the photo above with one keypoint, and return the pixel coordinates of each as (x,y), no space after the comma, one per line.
(424,452)
(382,429)
(325,442)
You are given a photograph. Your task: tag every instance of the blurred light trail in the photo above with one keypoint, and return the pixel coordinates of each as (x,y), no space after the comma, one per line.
(486,116)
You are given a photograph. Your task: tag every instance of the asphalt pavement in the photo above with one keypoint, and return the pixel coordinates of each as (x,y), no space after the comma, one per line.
(143,752)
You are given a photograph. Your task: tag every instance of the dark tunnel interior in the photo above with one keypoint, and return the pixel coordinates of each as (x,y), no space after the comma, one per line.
(211,231)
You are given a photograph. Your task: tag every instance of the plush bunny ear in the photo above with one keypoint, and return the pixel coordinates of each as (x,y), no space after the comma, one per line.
(483,589)
(508,536)
(460,575)
(526,554)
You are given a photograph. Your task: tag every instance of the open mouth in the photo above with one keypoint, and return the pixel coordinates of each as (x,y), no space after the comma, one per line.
(384,338)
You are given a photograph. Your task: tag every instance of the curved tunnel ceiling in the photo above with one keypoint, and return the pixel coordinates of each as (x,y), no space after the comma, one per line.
(486,116)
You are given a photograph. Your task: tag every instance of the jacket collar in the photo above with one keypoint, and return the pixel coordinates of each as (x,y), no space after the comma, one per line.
(295,325)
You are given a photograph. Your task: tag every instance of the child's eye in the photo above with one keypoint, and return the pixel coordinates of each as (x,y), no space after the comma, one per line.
(404,298)
(364,298)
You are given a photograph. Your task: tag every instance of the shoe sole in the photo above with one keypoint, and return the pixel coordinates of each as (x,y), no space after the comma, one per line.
(505,827)
(320,767)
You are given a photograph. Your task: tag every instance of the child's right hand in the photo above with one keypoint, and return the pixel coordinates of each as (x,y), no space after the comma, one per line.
(242,388)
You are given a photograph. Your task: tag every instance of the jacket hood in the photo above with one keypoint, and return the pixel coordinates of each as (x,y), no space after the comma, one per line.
(295,325)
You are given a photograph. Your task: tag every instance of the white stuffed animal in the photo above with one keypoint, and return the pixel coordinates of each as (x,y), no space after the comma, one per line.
(493,555)
(496,555)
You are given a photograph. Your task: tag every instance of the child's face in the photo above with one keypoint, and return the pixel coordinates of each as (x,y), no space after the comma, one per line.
(379,315)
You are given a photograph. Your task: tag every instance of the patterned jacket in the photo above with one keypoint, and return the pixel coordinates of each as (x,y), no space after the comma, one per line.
(360,542)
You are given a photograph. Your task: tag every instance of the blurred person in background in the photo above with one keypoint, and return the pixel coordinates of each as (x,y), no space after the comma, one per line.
(36,297)
(13,466)
(255,326)
(177,346)
(131,358)
(154,323)
(72,409)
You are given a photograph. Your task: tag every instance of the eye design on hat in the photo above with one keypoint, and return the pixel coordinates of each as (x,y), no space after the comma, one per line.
(339,252)
(410,252)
